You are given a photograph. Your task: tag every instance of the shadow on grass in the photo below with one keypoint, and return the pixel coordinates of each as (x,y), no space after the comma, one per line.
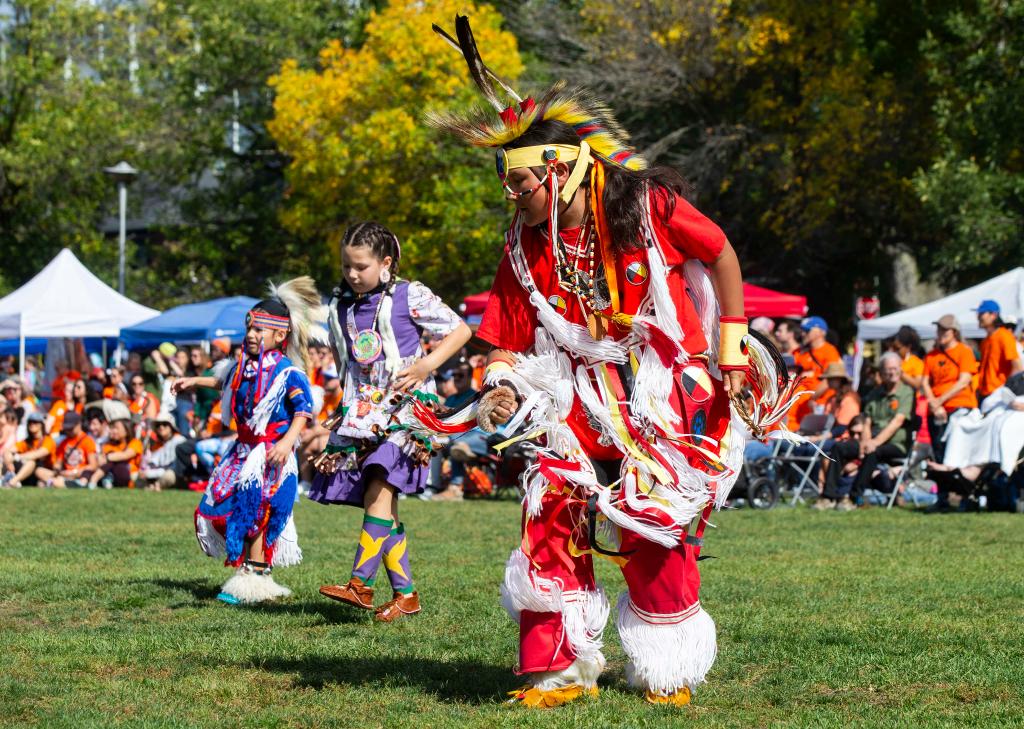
(203,592)
(331,612)
(200,589)
(456,681)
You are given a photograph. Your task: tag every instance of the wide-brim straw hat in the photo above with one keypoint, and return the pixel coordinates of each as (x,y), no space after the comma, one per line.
(835,371)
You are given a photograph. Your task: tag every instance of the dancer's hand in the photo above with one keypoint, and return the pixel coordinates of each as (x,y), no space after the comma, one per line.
(503,412)
(734,381)
(278,455)
(496,408)
(412,376)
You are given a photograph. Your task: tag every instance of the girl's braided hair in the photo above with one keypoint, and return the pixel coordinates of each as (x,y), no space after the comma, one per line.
(381,242)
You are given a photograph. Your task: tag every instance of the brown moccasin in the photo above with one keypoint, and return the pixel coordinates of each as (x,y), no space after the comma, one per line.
(355,593)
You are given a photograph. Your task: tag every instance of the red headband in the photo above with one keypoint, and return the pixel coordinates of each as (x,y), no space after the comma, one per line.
(268,321)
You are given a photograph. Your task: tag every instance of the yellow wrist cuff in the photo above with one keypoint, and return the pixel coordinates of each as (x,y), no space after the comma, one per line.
(498,366)
(732,346)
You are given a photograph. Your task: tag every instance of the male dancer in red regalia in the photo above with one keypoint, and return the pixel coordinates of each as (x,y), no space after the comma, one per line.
(610,354)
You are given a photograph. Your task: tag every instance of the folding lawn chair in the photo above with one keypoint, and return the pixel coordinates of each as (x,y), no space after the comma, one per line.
(908,462)
(798,466)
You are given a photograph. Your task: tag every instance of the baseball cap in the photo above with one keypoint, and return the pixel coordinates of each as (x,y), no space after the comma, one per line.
(223,344)
(167,349)
(763,324)
(947,322)
(813,322)
(36,417)
(71,419)
(988,306)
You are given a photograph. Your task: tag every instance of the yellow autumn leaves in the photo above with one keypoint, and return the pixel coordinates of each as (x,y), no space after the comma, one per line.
(353,131)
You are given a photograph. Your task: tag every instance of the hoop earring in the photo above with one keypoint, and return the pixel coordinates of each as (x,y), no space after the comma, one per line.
(385,276)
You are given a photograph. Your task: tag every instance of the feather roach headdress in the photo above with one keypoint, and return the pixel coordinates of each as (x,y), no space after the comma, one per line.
(590,118)
(301,300)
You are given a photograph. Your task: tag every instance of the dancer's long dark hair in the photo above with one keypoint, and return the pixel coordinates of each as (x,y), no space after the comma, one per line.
(623,189)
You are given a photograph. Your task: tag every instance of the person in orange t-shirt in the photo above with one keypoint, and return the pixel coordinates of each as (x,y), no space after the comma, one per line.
(75,457)
(31,458)
(844,405)
(141,402)
(67,403)
(120,459)
(907,344)
(999,356)
(948,370)
(811,360)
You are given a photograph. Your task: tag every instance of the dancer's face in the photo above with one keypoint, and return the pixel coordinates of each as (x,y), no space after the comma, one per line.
(361,268)
(534,207)
(256,335)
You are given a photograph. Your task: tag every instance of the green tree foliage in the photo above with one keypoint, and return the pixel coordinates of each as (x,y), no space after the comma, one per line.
(59,125)
(800,124)
(177,88)
(225,172)
(359,149)
(974,191)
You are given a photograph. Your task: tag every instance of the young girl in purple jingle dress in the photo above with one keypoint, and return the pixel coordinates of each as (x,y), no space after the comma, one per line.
(376,326)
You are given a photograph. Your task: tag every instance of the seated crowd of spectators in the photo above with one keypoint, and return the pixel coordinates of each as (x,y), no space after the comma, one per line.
(124,427)
(110,427)
(908,395)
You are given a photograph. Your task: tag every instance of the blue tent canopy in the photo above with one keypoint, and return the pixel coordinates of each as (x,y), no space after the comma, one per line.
(205,320)
(37,345)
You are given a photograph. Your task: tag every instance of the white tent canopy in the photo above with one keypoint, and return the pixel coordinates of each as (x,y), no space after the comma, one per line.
(66,300)
(1007,290)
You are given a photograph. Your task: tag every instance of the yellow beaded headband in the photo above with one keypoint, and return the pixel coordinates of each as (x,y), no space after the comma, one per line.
(547,155)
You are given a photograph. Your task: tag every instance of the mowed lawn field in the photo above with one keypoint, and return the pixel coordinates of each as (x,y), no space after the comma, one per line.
(873,618)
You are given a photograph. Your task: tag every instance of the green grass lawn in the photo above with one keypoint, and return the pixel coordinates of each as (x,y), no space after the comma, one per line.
(874,618)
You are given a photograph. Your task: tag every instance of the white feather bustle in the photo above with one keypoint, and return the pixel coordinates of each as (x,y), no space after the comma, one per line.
(249,587)
(584,612)
(665,656)
(303,302)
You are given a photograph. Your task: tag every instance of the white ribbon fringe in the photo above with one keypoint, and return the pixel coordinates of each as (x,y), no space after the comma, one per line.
(584,612)
(665,657)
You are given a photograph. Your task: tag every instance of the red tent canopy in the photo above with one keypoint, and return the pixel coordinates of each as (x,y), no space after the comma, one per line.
(758,301)
(475,304)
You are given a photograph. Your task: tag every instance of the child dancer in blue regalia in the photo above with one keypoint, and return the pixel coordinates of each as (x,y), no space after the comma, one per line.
(246,512)
(376,324)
